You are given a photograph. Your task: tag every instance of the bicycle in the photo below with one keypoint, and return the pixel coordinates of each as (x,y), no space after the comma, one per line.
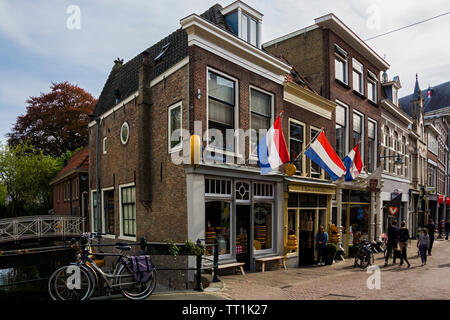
(62,284)
(364,256)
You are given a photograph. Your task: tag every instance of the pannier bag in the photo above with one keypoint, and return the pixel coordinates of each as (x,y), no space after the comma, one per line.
(142,268)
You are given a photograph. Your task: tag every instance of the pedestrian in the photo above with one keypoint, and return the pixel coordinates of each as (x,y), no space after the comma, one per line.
(321,243)
(431,227)
(423,243)
(403,237)
(441,229)
(447,229)
(392,238)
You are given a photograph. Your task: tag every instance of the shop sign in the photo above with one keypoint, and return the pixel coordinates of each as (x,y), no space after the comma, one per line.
(430,190)
(441,199)
(373,185)
(447,200)
(311,189)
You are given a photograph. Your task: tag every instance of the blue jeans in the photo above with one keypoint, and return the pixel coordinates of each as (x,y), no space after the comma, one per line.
(423,253)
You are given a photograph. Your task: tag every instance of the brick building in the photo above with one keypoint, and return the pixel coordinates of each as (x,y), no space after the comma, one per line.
(209,76)
(71,185)
(395,153)
(344,69)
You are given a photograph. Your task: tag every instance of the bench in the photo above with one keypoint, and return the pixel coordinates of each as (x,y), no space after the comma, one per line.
(263,261)
(236,265)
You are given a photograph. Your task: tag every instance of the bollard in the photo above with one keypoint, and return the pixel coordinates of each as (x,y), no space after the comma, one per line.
(198,277)
(216,261)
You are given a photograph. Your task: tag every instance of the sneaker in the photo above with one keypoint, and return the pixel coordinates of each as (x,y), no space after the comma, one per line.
(409,265)
(323,263)
(422,264)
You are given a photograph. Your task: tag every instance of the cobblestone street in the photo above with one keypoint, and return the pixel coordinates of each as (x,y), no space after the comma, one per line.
(343,281)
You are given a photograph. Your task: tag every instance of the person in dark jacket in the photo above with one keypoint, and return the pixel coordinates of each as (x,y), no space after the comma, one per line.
(447,229)
(403,237)
(321,243)
(431,227)
(392,238)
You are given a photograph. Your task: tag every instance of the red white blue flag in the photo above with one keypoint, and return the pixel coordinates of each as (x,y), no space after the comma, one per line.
(353,164)
(272,149)
(322,153)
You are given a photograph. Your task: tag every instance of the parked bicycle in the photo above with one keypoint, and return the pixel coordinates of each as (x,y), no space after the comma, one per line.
(77,281)
(364,255)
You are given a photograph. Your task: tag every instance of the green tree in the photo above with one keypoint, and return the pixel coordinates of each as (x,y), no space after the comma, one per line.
(26,174)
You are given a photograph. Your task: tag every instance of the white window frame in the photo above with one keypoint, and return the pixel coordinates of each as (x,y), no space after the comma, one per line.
(341,55)
(128,136)
(272,111)
(375,157)
(322,172)
(220,195)
(303,169)
(356,63)
(272,249)
(235,153)
(248,18)
(107,235)
(372,79)
(169,127)
(347,128)
(258,197)
(104,144)
(92,208)
(362,143)
(121,236)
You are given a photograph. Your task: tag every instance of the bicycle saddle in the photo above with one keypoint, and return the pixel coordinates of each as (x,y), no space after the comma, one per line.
(123,246)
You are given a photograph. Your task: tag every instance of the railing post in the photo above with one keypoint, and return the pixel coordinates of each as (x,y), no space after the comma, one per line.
(198,278)
(216,261)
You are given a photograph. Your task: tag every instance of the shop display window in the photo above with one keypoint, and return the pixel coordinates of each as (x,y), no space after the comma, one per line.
(217,218)
(263,225)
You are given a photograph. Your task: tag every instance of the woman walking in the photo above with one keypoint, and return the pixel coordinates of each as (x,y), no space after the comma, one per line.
(403,237)
(423,243)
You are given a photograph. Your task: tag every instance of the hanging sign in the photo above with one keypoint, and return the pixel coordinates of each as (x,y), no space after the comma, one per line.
(441,199)
(447,200)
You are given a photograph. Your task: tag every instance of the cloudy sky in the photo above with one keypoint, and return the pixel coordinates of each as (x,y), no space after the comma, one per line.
(37,47)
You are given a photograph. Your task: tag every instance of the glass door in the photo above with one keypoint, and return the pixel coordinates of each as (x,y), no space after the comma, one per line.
(306,236)
(243,246)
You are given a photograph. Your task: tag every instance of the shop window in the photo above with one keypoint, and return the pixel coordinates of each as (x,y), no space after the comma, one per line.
(217,219)
(263,190)
(322,201)
(296,134)
(293,200)
(242,191)
(217,187)
(263,225)
(221,110)
(128,199)
(261,116)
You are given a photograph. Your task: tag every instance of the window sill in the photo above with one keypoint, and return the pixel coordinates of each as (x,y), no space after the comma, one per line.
(373,102)
(359,94)
(127,238)
(341,83)
(109,236)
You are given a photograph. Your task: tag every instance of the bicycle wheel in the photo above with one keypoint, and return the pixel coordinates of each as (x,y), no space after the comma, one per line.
(60,290)
(129,287)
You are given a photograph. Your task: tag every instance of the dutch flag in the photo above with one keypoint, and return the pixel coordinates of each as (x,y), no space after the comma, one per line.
(353,164)
(322,153)
(272,149)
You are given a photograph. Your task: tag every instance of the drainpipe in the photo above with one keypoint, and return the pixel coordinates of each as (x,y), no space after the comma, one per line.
(97,174)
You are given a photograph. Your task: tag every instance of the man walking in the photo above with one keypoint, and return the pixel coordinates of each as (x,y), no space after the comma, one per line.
(392,240)
(321,243)
(431,227)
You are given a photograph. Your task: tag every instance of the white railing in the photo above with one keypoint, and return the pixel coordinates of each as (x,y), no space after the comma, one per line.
(39,227)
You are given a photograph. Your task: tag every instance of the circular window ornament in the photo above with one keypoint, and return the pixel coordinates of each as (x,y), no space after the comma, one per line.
(124,133)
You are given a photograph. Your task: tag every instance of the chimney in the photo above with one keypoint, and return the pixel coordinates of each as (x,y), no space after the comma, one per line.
(118,63)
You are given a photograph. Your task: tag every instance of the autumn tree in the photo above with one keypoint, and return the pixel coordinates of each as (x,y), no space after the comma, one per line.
(55,122)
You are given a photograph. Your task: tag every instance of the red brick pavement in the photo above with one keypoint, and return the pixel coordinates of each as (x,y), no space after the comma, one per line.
(343,281)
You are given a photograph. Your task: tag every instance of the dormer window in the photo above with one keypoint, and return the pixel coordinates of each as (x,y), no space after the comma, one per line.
(394,96)
(244,22)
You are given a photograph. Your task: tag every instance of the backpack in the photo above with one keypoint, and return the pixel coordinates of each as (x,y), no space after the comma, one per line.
(142,268)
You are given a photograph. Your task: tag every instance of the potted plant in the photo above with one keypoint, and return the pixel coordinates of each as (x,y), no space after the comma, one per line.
(330,253)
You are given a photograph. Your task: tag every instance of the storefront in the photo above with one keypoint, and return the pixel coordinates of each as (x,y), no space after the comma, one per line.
(238,208)
(307,206)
